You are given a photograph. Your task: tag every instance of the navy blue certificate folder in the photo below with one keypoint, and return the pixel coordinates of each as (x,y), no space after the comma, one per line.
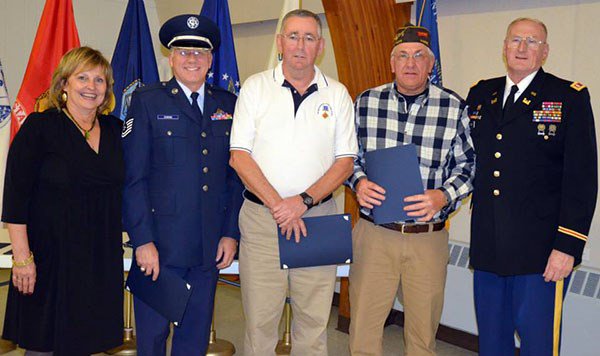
(396,169)
(329,242)
(168,295)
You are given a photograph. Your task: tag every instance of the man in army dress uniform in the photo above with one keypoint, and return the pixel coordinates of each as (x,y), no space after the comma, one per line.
(535,194)
(181,198)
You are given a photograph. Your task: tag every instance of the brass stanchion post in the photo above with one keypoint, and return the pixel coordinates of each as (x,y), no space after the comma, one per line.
(284,346)
(218,347)
(6,346)
(129,345)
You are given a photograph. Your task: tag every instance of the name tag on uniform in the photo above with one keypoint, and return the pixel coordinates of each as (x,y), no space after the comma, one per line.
(167,117)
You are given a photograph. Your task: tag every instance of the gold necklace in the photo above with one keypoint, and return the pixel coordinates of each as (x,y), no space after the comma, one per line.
(86,133)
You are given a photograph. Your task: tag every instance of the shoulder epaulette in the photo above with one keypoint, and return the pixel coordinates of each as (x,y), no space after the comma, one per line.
(217,88)
(577,86)
(151,86)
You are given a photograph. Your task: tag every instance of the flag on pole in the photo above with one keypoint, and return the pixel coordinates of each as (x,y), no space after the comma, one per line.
(56,35)
(133,61)
(288,5)
(427,17)
(224,71)
(4,131)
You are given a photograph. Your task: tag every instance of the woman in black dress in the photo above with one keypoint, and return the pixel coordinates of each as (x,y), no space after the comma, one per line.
(62,206)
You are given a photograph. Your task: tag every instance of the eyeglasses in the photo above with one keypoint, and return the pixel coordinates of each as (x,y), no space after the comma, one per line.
(404,56)
(308,39)
(530,42)
(196,52)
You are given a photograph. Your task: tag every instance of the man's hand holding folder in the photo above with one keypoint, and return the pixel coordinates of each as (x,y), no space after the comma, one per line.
(425,205)
(146,257)
(397,173)
(369,193)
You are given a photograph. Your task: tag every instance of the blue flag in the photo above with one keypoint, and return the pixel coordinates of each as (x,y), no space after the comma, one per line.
(427,17)
(4,131)
(224,71)
(133,62)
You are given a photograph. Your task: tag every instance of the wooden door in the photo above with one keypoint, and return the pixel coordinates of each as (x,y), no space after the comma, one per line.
(362,32)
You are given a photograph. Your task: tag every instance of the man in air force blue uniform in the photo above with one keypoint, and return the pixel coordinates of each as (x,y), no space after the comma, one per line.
(181,199)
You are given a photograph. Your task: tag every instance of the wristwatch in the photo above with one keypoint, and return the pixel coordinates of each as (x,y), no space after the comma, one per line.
(307,200)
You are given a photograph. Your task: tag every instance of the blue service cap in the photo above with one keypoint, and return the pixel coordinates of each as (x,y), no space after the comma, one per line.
(190,31)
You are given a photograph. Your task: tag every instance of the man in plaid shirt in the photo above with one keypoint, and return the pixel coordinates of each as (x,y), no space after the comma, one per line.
(407,256)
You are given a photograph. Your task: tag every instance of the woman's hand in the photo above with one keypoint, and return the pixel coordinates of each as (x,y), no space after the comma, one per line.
(23,271)
(24,278)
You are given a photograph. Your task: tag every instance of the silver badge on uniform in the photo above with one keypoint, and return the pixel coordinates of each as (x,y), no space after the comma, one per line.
(193,22)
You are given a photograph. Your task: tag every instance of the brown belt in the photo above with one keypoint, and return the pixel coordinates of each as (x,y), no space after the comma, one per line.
(409,228)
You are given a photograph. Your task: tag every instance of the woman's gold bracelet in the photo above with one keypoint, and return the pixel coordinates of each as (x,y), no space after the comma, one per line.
(23,263)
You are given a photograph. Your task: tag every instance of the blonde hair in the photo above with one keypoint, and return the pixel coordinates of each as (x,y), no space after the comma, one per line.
(81,58)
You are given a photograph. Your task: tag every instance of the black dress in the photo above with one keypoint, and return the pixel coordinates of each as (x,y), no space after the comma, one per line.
(70,199)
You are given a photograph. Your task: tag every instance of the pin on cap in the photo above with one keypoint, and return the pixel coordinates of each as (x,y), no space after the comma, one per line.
(411,33)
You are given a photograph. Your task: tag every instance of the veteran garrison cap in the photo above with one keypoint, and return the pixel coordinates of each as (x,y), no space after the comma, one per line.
(190,31)
(411,33)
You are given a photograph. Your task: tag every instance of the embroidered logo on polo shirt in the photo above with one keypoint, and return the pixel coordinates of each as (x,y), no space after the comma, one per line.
(324,110)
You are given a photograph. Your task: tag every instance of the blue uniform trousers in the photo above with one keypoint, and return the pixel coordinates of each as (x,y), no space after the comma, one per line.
(523,303)
(191,337)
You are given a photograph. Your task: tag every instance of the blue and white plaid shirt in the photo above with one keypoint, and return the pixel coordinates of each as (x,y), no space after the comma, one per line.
(437,123)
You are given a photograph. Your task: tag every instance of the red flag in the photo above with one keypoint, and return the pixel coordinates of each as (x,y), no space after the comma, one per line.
(56,34)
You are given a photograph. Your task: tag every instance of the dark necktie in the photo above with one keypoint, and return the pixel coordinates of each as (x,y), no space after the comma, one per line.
(195,106)
(511,98)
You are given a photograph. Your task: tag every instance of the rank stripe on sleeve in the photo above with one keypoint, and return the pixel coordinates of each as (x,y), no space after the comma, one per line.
(572,233)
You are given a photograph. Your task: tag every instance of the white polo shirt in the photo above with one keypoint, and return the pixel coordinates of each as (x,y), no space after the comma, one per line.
(293,152)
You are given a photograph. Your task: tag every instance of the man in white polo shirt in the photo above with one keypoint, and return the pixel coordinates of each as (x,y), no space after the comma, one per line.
(292,143)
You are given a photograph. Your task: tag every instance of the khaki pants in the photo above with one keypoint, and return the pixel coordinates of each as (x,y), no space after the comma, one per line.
(386,264)
(264,286)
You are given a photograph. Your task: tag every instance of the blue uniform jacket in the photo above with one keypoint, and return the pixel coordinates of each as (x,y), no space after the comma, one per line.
(180,192)
(536,180)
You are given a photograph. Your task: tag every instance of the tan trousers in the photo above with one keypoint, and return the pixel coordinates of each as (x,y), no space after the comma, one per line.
(388,264)
(264,286)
